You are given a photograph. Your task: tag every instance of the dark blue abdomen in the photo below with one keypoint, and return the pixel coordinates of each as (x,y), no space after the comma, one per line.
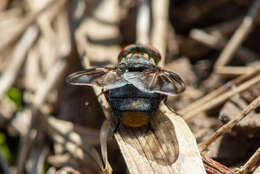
(130,99)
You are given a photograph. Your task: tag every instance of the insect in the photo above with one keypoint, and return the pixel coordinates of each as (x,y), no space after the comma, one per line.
(135,87)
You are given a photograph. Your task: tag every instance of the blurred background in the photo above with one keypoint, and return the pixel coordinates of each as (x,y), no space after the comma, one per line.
(42,118)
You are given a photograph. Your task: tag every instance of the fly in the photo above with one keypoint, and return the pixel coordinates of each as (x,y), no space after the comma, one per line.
(135,87)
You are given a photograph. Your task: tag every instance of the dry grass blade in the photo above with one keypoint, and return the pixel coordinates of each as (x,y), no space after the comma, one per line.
(54,74)
(215,93)
(104,134)
(65,127)
(252,106)
(52,78)
(45,20)
(239,36)
(30,19)
(236,70)
(61,133)
(218,42)
(143,23)
(19,54)
(223,97)
(250,163)
(159,27)
(148,152)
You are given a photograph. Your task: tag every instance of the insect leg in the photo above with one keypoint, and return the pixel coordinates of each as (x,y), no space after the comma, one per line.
(149,124)
(117,126)
(118,121)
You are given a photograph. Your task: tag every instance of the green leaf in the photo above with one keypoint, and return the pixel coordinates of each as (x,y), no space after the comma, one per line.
(15,95)
(4,150)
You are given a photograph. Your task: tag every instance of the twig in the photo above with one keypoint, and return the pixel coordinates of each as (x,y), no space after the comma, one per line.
(239,36)
(236,70)
(225,128)
(9,76)
(30,19)
(213,167)
(160,10)
(143,23)
(219,42)
(4,165)
(250,163)
(221,98)
(215,93)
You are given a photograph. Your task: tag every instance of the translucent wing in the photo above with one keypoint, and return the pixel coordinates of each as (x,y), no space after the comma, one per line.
(162,82)
(107,78)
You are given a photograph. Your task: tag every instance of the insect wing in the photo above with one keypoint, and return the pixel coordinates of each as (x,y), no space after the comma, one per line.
(140,80)
(102,77)
(163,82)
(169,83)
